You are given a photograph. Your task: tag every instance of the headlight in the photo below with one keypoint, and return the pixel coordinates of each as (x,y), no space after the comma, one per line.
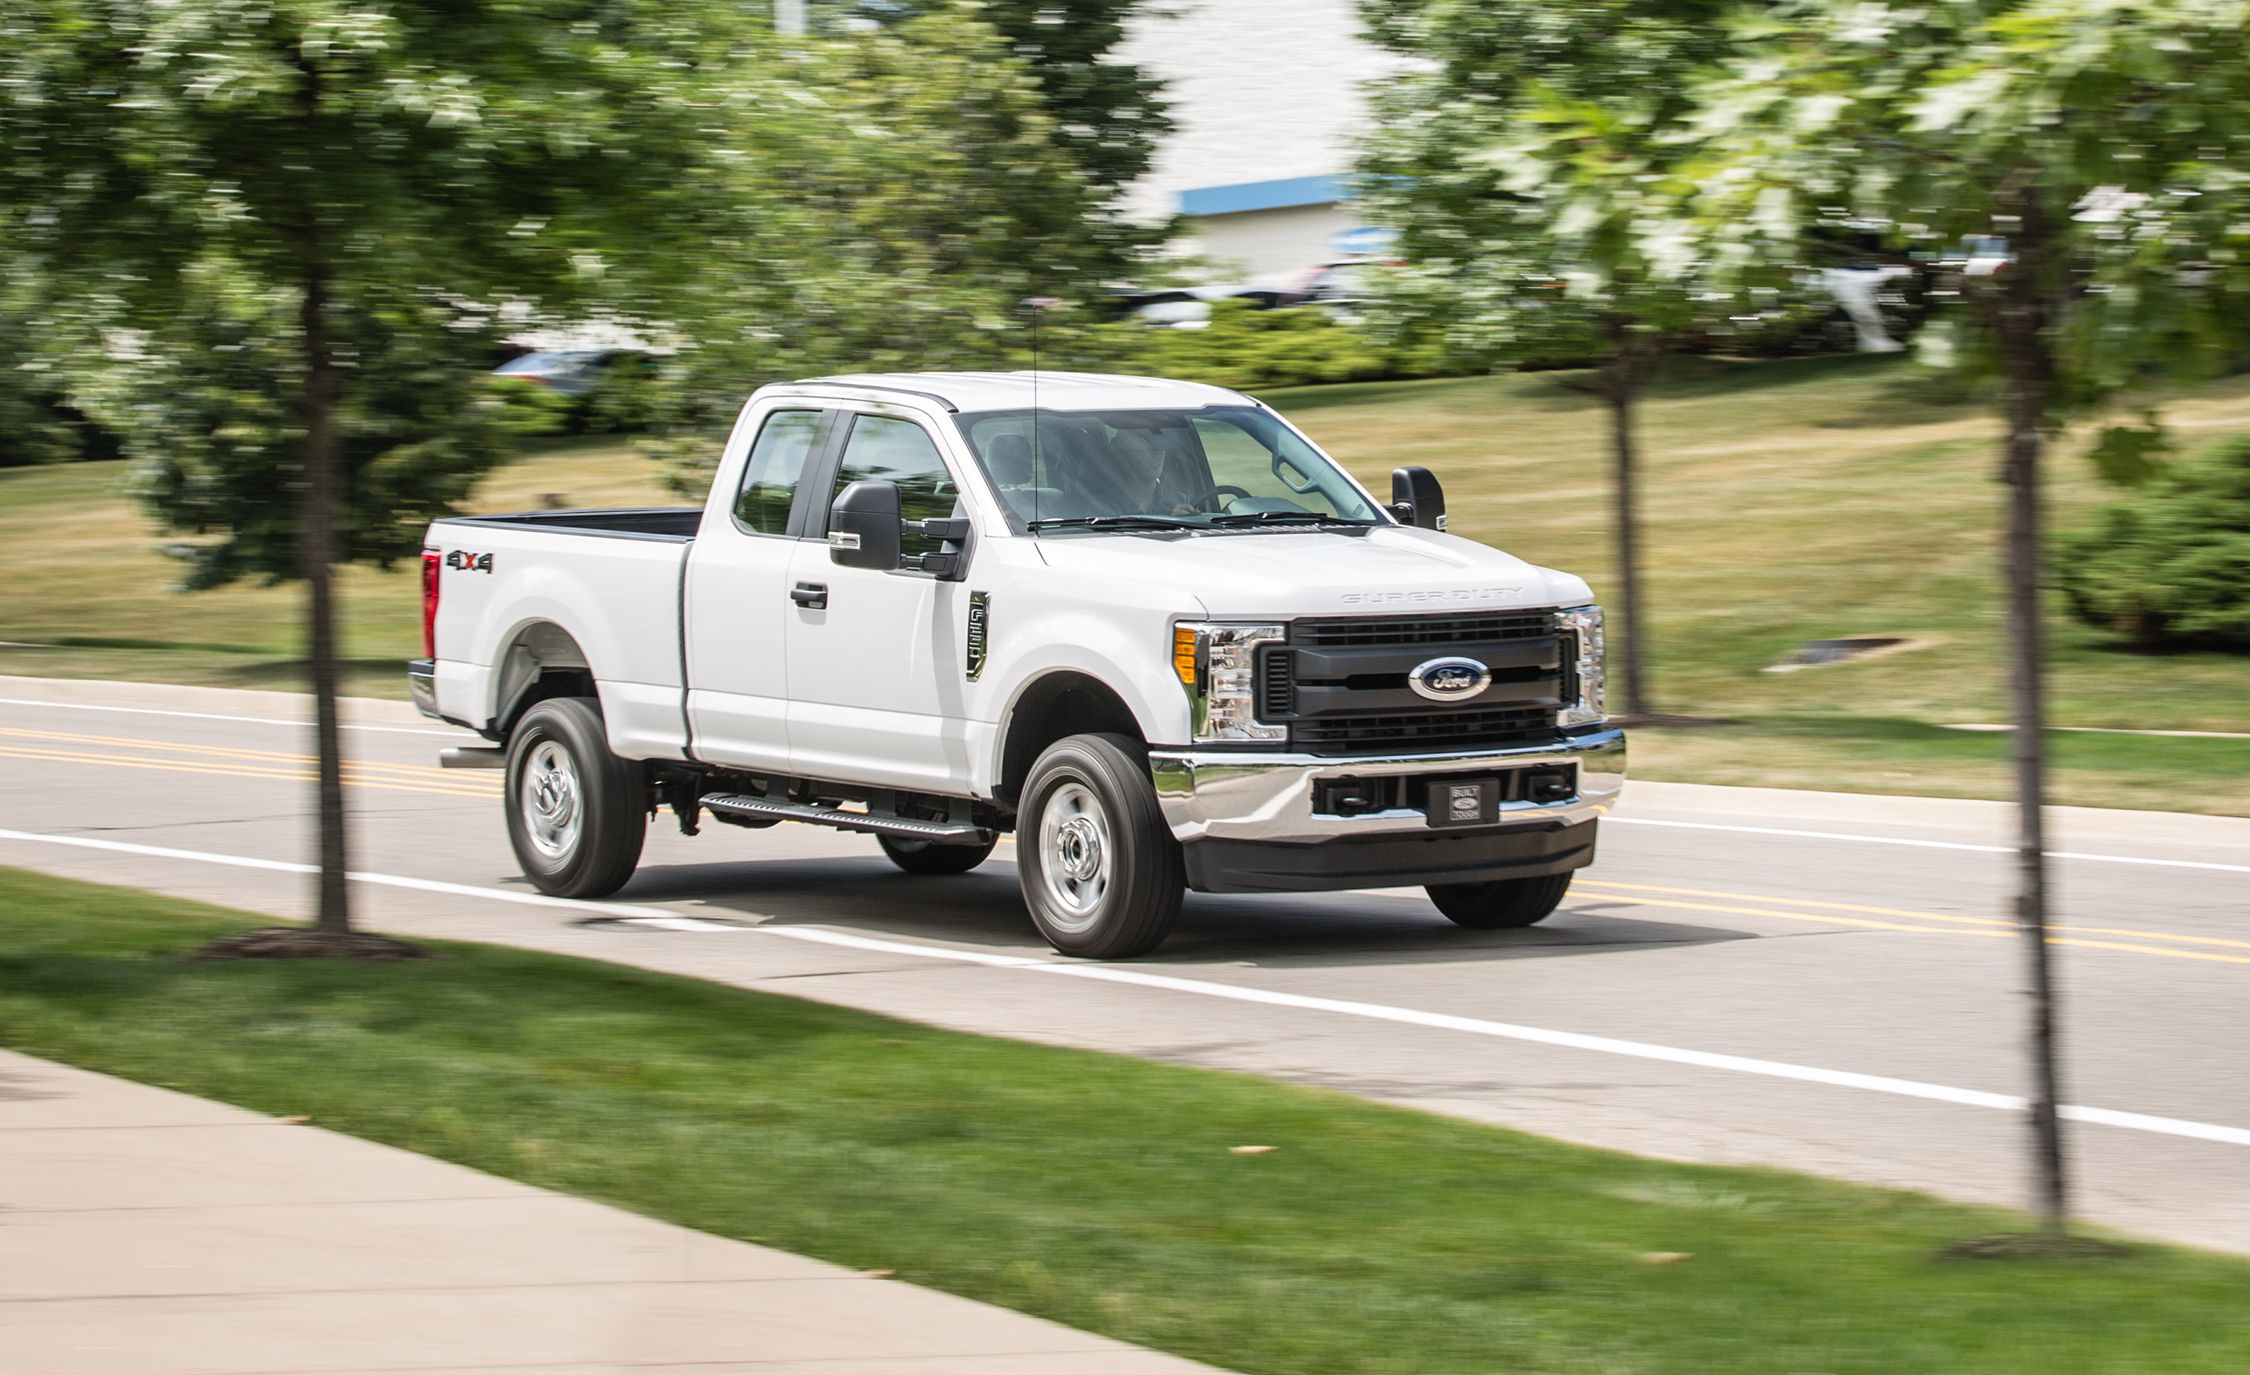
(1218,665)
(1585,683)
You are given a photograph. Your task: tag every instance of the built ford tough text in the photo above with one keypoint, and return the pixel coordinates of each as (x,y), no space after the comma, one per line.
(1145,625)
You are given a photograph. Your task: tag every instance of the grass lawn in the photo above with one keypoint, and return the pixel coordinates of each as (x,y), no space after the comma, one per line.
(1092,1189)
(1784,502)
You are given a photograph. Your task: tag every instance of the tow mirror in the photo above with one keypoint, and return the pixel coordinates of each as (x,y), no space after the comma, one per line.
(863,526)
(1417,499)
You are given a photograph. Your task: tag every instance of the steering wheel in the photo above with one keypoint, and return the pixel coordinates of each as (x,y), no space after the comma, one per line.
(1201,500)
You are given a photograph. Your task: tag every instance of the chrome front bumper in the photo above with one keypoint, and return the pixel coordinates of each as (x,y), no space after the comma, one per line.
(1219,795)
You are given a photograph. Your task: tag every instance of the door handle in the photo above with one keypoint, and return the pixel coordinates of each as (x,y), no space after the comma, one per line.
(813,596)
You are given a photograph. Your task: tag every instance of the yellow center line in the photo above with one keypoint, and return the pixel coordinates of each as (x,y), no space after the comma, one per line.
(227,752)
(2004,933)
(53,756)
(1916,915)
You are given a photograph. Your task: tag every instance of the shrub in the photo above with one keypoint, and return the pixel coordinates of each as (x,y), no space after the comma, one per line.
(526,409)
(2170,566)
(1250,348)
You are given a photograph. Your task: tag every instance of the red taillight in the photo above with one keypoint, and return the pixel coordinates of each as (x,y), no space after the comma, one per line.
(430,562)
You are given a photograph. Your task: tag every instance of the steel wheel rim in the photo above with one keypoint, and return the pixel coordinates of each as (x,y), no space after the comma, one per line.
(550,803)
(1075,856)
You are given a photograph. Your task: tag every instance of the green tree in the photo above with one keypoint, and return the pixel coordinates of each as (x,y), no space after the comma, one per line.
(904,198)
(1108,115)
(267,238)
(1528,166)
(2105,142)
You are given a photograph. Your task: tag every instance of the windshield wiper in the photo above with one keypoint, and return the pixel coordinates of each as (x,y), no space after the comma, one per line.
(1280,518)
(1115,523)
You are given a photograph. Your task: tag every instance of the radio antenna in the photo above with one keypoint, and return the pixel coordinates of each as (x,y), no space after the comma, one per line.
(1038,467)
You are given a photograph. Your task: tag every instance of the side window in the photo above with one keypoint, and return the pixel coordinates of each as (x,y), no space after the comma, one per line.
(900,451)
(777,460)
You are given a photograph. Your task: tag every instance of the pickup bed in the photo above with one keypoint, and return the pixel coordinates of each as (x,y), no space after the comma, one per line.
(1145,625)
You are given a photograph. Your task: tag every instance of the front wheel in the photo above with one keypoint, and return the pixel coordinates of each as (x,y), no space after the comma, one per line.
(1101,873)
(577,814)
(1501,905)
(925,857)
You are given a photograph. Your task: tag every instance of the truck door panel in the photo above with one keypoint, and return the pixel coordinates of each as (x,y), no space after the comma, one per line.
(736,607)
(876,681)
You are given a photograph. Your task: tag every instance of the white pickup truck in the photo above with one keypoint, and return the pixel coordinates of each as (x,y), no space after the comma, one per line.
(1145,625)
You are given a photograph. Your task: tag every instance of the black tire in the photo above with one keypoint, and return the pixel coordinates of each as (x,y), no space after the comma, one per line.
(925,857)
(590,849)
(1089,815)
(1501,905)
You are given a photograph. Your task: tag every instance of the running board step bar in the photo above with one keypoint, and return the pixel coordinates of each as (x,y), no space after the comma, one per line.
(902,828)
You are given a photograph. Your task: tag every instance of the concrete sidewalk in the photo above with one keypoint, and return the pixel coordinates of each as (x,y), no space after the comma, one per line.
(143,1232)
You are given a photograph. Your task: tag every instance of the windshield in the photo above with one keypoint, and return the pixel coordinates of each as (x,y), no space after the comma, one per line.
(1214,467)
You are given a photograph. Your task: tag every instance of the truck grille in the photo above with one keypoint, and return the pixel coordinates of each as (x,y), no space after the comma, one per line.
(1341,685)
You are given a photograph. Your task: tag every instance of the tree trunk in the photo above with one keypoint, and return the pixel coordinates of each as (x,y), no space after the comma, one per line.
(1620,380)
(320,609)
(2022,314)
(318,550)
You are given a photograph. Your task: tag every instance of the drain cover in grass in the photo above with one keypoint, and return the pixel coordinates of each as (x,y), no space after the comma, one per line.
(1815,652)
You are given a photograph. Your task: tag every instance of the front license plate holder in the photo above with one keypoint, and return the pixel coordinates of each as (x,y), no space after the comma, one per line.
(1462,802)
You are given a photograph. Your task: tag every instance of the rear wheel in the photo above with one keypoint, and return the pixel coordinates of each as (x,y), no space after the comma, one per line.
(1502,904)
(1101,873)
(926,857)
(576,813)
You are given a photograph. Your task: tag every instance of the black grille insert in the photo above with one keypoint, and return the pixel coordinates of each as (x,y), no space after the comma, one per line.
(1424,630)
(1454,728)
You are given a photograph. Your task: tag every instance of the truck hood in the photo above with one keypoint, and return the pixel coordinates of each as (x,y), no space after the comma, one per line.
(1270,573)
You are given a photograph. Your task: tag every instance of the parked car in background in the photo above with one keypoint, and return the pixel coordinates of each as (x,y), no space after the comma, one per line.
(573,372)
(1189,307)
(579,390)
(1338,286)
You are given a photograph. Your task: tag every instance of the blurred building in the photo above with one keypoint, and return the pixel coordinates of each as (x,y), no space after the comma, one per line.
(1267,102)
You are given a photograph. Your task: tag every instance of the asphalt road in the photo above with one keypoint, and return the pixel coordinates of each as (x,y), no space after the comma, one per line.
(1811,980)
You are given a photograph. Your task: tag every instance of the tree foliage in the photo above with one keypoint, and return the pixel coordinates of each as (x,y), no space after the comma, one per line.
(2104,141)
(890,200)
(1107,114)
(175,174)
(1527,165)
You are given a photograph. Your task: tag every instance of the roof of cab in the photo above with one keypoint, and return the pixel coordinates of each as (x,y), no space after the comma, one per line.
(1057,391)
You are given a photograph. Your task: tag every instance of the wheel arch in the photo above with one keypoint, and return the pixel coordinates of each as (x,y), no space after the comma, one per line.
(542,660)
(1056,704)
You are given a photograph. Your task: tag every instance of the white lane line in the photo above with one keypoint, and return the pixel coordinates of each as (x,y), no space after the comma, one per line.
(1381,1012)
(246,720)
(1926,844)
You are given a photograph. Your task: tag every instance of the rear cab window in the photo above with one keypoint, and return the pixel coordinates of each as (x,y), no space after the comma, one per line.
(786,443)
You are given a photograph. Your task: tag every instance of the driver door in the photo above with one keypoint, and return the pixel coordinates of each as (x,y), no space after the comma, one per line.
(877,693)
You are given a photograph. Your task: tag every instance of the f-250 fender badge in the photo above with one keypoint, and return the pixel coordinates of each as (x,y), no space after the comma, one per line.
(980,627)
(466,562)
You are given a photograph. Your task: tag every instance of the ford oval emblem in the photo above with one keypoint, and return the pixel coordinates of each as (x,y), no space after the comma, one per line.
(1449,680)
